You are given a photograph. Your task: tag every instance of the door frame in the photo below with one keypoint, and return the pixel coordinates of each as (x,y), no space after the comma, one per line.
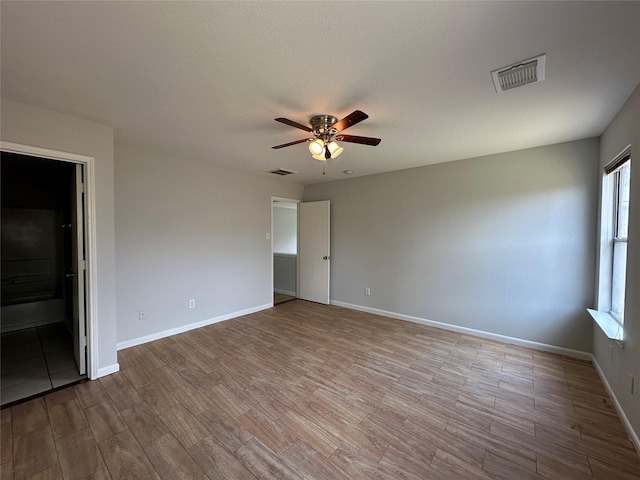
(288,200)
(91,292)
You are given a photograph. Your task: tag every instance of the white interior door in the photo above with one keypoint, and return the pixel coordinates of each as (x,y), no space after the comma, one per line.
(314,251)
(78,270)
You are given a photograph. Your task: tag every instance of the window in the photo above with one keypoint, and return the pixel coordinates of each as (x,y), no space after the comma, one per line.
(614,227)
(621,180)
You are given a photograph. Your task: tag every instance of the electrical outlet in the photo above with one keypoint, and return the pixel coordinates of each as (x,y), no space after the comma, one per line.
(142,315)
(367,291)
(192,303)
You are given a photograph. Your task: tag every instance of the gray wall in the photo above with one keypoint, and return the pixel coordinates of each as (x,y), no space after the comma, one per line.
(189,230)
(625,130)
(503,244)
(285,273)
(38,127)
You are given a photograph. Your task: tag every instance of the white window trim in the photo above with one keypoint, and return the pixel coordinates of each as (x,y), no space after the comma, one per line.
(608,322)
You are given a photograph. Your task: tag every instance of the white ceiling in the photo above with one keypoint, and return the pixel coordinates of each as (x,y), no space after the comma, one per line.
(204,80)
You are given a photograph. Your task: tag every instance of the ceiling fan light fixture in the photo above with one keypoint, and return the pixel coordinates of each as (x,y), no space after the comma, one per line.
(334,149)
(316,148)
(320,157)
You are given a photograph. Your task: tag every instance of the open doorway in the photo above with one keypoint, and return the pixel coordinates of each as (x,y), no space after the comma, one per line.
(285,251)
(43,309)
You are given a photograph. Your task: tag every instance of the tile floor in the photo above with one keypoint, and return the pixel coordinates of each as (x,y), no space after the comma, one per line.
(36,360)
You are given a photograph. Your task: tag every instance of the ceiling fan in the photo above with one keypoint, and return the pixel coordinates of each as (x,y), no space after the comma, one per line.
(326,131)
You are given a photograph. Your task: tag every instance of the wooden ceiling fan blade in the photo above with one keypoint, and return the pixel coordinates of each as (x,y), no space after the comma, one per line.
(291,123)
(355,139)
(291,143)
(350,120)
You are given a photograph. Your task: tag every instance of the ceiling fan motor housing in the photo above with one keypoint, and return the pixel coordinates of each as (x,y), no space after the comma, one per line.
(322,125)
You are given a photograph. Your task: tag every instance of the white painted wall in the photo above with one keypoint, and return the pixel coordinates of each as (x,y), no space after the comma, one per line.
(625,130)
(503,244)
(285,229)
(29,125)
(189,230)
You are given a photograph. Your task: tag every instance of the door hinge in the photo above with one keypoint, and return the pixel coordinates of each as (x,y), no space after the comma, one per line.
(81,187)
(83,342)
(83,265)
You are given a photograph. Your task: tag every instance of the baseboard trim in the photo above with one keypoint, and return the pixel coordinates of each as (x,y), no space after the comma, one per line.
(470,331)
(185,328)
(623,416)
(104,371)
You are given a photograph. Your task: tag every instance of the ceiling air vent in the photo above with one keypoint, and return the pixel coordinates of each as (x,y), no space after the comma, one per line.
(282,172)
(519,74)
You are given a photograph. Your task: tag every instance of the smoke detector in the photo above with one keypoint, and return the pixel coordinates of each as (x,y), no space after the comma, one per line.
(519,74)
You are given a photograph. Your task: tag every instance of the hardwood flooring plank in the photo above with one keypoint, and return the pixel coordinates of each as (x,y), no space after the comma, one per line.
(171,460)
(310,464)
(184,426)
(29,416)
(356,466)
(120,391)
(467,451)
(446,466)
(217,463)
(124,457)
(228,431)
(66,418)
(405,465)
(157,397)
(605,471)
(168,378)
(138,376)
(554,452)
(105,421)
(264,463)
(624,459)
(6,469)
(270,433)
(90,393)
(499,467)
(6,436)
(319,439)
(194,401)
(25,463)
(51,473)
(79,455)
(102,474)
(60,396)
(403,439)
(554,470)
(258,400)
(516,454)
(144,423)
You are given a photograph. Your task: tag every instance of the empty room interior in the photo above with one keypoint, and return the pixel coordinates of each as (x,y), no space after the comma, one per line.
(320,240)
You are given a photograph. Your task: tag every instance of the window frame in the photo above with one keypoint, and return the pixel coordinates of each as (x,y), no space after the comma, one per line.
(617,238)
(608,321)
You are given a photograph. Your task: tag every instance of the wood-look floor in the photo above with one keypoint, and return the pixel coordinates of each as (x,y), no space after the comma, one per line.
(320,392)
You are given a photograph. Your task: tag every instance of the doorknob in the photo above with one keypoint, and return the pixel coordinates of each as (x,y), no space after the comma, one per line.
(69,275)
(326,257)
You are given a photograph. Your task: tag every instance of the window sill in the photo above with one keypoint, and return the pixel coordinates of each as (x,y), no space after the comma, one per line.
(611,328)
